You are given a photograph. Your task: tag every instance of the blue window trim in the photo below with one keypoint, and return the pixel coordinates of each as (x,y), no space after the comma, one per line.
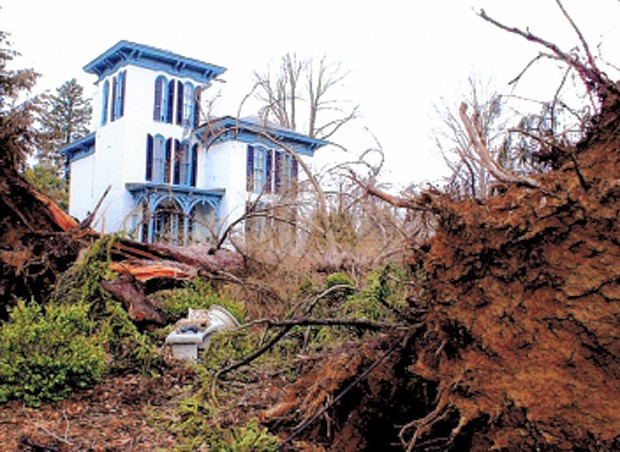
(104,107)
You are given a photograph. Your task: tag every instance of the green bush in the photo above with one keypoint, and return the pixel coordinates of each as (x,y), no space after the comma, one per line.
(128,348)
(46,353)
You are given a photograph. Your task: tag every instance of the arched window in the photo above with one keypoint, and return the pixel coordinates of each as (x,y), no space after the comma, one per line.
(259,169)
(188,105)
(182,163)
(159,167)
(161,98)
(104,106)
(120,94)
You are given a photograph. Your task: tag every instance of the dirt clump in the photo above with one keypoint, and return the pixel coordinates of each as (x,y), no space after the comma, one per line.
(518,345)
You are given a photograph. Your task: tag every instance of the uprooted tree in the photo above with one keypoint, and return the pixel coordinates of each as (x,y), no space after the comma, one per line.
(504,334)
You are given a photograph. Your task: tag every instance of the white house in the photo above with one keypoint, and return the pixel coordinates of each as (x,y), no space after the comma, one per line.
(171,177)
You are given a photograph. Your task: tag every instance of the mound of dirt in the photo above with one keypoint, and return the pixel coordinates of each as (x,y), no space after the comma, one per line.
(518,346)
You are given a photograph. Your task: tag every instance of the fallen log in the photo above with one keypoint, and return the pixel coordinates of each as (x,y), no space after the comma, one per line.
(39,242)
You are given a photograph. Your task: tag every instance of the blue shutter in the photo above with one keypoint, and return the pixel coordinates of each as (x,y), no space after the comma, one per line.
(196,117)
(104,109)
(278,184)
(149,158)
(121,101)
(194,167)
(113,97)
(170,102)
(250,169)
(178,155)
(268,170)
(180,100)
(168,161)
(294,170)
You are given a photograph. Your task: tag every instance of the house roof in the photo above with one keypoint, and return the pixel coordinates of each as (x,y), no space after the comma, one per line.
(252,130)
(126,52)
(80,148)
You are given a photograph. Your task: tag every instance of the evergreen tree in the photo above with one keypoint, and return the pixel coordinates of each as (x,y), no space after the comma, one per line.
(17,135)
(63,118)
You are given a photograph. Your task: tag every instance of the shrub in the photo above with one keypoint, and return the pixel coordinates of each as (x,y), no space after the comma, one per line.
(46,353)
(129,349)
(198,426)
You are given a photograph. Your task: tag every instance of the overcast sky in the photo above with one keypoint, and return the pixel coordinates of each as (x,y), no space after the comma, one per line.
(404,56)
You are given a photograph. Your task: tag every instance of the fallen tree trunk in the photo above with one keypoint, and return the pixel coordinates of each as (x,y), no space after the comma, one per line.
(39,242)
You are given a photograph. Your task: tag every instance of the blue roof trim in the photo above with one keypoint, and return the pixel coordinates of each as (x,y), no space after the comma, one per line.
(187,197)
(80,148)
(125,52)
(228,128)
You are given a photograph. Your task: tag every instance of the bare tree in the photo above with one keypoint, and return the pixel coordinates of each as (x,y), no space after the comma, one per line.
(300,95)
(470,178)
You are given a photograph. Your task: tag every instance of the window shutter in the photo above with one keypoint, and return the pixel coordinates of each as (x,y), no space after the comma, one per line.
(250,169)
(178,155)
(123,82)
(294,170)
(196,117)
(104,109)
(180,99)
(149,158)
(170,103)
(268,170)
(278,172)
(113,97)
(168,161)
(194,167)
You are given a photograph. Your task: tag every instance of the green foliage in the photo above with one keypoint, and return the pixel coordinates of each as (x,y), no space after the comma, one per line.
(199,294)
(46,353)
(17,134)
(381,297)
(227,347)
(249,437)
(339,279)
(63,118)
(197,426)
(47,181)
(128,347)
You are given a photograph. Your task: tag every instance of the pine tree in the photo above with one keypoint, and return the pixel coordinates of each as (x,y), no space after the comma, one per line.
(64,117)
(17,135)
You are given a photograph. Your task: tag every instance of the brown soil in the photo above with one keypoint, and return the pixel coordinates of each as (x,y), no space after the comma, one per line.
(116,415)
(518,347)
